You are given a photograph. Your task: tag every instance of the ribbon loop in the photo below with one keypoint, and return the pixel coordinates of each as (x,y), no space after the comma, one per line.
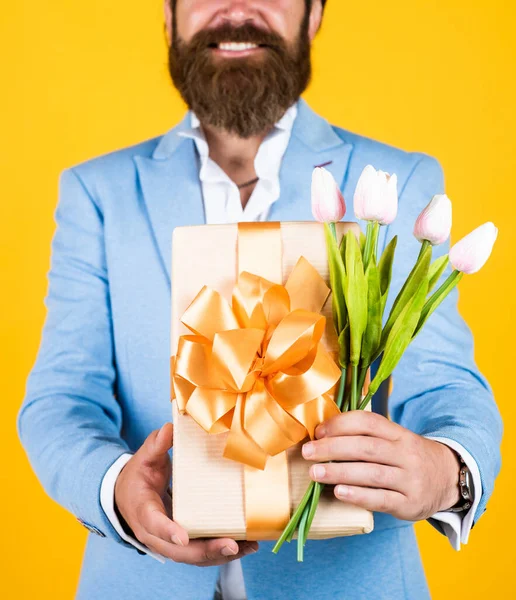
(257,368)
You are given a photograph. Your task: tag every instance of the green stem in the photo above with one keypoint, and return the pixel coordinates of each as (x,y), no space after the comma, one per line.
(333,230)
(371,242)
(361,380)
(294,520)
(301,532)
(436,298)
(313,505)
(354,394)
(365,401)
(376,233)
(290,535)
(368,246)
(424,246)
(347,393)
(342,387)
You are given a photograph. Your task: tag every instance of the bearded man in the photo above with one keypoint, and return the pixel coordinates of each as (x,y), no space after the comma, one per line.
(97,398)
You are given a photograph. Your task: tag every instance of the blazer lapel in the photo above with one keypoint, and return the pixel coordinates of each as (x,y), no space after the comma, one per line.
(171,190)
(313,142)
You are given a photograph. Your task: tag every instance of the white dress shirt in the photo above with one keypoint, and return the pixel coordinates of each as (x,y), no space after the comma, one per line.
(222,204)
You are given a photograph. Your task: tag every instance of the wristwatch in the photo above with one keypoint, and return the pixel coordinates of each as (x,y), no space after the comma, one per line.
(465,489)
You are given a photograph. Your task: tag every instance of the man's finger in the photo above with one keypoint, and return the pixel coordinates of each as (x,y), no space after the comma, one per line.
(154,521)
(360,422)
(379,500)
(159,442)
(220,550)
(353,448)
(201,552)
(208,550)
(360,474)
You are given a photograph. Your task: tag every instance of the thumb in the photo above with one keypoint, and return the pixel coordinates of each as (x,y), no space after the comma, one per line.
(159,442)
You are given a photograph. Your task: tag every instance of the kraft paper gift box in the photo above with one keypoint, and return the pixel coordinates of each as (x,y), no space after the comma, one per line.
(209,490)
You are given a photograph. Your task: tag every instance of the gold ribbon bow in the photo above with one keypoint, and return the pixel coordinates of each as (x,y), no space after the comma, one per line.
(257,369)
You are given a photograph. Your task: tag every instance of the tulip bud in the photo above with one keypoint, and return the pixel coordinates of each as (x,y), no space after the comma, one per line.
(376,196)
(435,221)
(328,204)
(470,254)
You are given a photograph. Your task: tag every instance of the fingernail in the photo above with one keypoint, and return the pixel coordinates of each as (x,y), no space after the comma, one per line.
(320,431)
(176,540)
(318,471)
(308,450)
(227,551)
(160,432)
(249,550)
(341,491)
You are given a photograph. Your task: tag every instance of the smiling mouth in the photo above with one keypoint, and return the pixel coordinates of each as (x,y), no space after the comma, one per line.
(236,46)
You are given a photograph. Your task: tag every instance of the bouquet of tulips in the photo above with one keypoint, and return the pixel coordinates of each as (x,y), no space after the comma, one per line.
(360,282)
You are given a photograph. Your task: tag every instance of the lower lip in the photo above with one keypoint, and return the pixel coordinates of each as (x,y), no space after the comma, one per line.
(236,53)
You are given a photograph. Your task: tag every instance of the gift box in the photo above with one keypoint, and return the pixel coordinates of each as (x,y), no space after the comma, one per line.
(223,484)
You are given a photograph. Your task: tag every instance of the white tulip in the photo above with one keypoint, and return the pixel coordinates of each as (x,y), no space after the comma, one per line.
(435,221)
(376,196)
(470,254)
(328,204)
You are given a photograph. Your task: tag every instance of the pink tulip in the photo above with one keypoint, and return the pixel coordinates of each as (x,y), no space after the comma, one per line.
(470,254)
(376,196)
(435,221)
(328,204)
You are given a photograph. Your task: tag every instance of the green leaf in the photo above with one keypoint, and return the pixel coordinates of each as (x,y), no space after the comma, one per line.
(400,336)
(342,248)
(385,270)
(355,293)
(437,268)
(337,277)
(344,346)
(362,242)
(373,332)
(418,274)
(435,300)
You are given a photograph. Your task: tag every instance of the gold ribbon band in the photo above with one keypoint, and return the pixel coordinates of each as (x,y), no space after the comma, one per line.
(266,492)
(258,369)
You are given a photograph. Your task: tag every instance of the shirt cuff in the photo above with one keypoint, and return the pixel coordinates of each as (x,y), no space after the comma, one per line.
(107,501)
(457,526)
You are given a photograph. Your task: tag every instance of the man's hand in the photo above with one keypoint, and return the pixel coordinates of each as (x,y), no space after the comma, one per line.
(385,468)
(141,495)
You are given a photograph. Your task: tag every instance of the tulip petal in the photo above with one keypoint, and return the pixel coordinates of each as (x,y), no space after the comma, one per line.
(328,204)
(470,254)
(376,196)
(435,221)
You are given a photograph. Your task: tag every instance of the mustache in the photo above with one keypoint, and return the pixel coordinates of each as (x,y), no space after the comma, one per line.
(211,38)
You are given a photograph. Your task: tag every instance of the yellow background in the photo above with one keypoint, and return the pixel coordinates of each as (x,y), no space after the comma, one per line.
(83,78)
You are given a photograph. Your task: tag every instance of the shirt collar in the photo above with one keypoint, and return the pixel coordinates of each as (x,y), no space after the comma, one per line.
(267,167)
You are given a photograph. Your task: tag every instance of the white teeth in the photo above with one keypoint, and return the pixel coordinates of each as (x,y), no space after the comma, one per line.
(237,46)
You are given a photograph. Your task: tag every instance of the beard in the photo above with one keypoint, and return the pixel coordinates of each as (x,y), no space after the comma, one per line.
(247,95)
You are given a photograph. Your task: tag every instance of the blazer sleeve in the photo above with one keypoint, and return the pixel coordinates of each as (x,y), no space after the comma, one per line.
(437,388)
(70,420)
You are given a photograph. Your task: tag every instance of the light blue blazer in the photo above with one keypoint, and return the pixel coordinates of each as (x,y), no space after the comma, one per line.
(100,384)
